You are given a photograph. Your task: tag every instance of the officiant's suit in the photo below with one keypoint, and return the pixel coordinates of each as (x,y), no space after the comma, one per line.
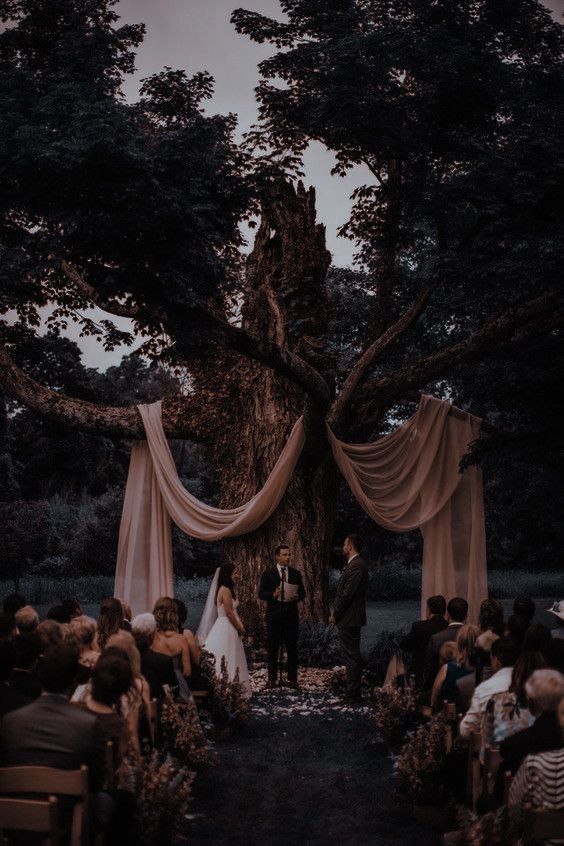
(349,614)
(282,620)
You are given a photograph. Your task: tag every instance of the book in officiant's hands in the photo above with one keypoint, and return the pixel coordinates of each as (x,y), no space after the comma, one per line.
(290,593)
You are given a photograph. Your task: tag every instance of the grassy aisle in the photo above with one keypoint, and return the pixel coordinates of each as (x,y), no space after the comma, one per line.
(304,771)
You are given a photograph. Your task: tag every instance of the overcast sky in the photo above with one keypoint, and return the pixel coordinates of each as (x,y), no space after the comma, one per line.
(197,35)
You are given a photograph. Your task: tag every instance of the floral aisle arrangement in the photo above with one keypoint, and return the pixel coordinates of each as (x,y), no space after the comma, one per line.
(230,706)
(184,736)
(395,711)
(491,829)
(420,766)
(164,797)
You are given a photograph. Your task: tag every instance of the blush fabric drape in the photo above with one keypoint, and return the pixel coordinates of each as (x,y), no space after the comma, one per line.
(409,479)
(154,495)
(406,480)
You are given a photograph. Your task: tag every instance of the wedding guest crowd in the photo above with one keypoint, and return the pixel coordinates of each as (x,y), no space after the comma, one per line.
(71,683)
(506,679)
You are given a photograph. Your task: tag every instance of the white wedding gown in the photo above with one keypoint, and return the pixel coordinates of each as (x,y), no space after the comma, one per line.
(223,641)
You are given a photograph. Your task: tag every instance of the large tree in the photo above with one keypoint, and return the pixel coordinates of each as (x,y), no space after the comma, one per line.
(454,108)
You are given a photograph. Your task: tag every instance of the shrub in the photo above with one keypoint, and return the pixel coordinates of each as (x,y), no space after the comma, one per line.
(318,644)
(387,645)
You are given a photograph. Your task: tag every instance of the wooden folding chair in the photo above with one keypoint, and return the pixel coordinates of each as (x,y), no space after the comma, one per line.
(39,816)
(473,770)
(449,713)
(542,825)
(48,781)
(492,761)
(507,779)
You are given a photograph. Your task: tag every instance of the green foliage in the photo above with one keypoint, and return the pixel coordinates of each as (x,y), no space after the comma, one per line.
(318,644)
(25,537)
(386,645)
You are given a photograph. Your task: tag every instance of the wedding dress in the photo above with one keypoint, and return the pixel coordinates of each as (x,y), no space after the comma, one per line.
(221,638)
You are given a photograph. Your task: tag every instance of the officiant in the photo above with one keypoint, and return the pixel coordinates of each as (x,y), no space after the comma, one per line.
(281,587)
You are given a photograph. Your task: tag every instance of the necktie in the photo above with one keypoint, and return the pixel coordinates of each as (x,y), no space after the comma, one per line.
(283,574)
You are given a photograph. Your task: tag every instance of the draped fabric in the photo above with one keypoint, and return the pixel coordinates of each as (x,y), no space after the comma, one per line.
(154,495)
(409,479)
(406,480)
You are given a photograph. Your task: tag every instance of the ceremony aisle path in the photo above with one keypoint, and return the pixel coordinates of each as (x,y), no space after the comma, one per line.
(306,770)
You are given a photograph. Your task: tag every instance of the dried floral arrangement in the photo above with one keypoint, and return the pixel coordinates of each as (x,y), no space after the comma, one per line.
(395,710)
(164,797)
(183,733)
(491,829)
(420,766)
(230,705)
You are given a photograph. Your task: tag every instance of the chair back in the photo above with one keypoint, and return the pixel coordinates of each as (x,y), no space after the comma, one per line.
(36,815)
(542,825)
(49,780)
(492,761)
(473,770)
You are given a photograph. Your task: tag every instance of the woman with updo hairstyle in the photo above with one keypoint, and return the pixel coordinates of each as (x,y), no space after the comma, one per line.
(168,640)
(83,630)
(110,620)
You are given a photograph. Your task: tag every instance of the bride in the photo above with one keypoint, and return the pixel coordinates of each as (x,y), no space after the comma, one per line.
(221,629)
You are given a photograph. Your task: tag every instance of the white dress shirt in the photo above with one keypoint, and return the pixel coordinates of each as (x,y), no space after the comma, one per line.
(498,683)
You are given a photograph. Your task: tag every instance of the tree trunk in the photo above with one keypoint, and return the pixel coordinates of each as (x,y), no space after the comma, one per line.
(255,409)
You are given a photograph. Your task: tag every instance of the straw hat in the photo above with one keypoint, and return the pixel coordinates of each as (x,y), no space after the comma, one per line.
(558,610)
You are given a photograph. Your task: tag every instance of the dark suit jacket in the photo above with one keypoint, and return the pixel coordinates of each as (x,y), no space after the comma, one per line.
(53,733)
(27,682)
(543,736)
(418,639)
(11,699)
(270,580)
(349,608)
(431,667)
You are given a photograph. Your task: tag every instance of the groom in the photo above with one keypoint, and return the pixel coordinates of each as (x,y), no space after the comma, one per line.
(282,619)
(349,613)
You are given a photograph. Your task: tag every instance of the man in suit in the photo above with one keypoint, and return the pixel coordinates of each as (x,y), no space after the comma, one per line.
(349,613)
(421,632)
(282,619)
(51,732)
(457,611)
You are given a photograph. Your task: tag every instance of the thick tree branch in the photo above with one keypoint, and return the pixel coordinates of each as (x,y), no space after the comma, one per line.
(111,306)
(284,362)
(372,353)
(541,314)
(183,416)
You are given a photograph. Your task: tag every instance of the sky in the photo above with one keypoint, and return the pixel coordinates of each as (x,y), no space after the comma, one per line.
(197,35)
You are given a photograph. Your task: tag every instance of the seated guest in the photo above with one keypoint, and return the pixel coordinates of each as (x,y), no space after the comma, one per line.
(168,640)
(158,669)
(516,628)
(539,782)
(57,613)
(192,640)
(71,609)
(558,611)
(50,633)
(508,712)
(137,702)
(26,619)
(457,611)
(51,732)
(10,699)
(13,603)
(555,654)
(444,687)
(524,606)
(83,629)
(490,622)
(418,638)
(110,621)
(111,679)
(537,638)
(504,655)
(127,614)
(7,625)
(545,690)
(25,677)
